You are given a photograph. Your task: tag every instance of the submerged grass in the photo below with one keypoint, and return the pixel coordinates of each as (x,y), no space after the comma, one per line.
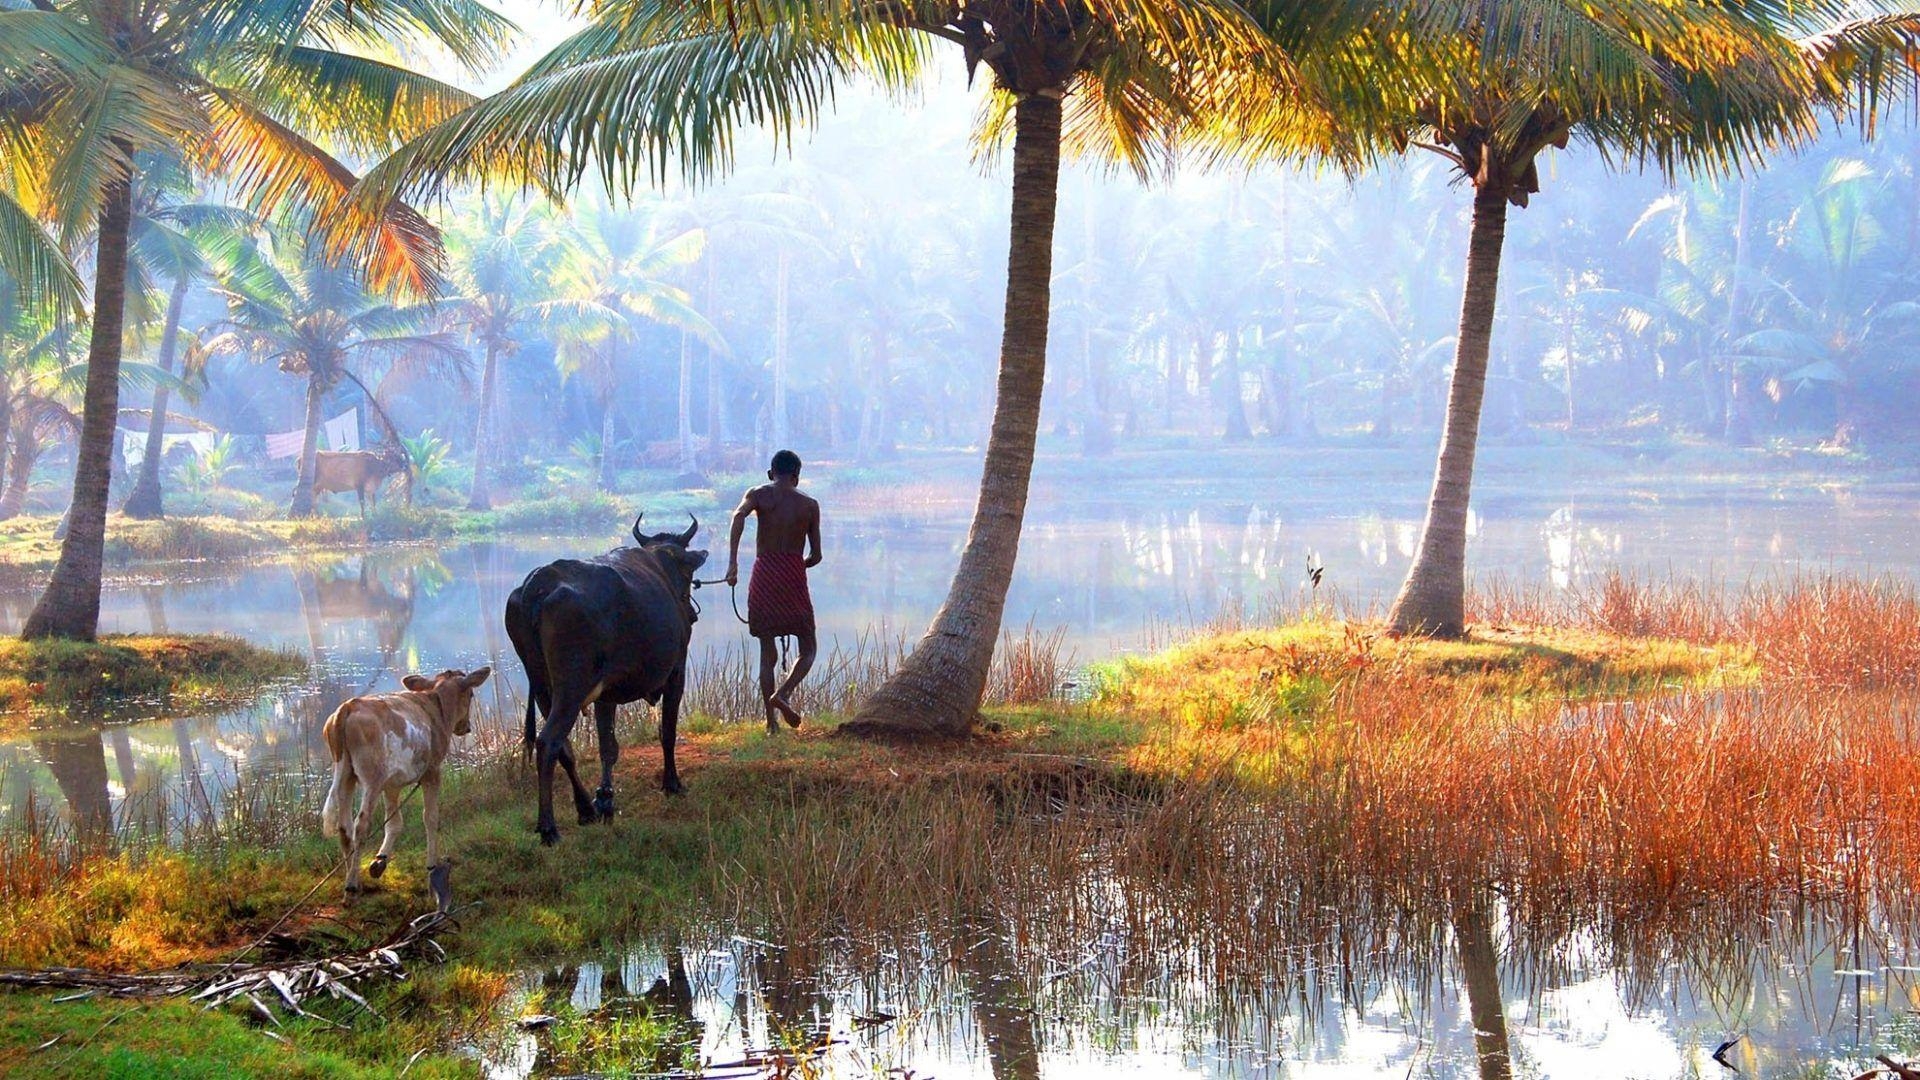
(1644,766)
(123,676)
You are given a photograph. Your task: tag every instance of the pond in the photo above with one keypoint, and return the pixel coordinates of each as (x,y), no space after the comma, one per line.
(1110,567)
(971,1007)
(1120,567)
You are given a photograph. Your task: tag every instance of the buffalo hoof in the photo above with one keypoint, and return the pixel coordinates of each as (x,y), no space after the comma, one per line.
(673,786)
(603,804)
(377,867)
(549,835)
(589,816)
(353,890)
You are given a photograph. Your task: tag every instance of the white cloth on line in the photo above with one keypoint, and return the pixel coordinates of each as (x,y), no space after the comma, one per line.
(342,429)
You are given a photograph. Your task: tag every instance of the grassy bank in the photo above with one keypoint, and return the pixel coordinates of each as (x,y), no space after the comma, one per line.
(28,545)
(1289,771)
(128,676)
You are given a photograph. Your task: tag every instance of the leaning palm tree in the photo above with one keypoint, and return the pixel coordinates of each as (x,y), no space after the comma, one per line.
(648,79)
(237,91)
(1687,87)
(310,317)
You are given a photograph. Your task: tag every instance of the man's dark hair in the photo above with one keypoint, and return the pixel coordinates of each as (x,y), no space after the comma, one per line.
(786,463)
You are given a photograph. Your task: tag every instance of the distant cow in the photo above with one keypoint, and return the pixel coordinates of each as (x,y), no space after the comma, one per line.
(604,632)
(386,742)
(359,471)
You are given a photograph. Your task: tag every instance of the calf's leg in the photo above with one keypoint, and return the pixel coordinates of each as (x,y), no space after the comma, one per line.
(379,864)
(603,717)
(362,825)
(670,729)
(430,816)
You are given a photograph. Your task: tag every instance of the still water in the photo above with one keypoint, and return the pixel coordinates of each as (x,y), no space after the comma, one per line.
(1113,570)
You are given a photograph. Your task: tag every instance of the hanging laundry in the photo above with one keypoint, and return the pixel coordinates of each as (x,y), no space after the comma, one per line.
(286,444)
(343,431)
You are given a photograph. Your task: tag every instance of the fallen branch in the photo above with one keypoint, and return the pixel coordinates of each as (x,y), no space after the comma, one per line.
(290,984)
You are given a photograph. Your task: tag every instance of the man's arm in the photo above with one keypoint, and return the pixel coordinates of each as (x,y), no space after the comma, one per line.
(813,538)
(733,540)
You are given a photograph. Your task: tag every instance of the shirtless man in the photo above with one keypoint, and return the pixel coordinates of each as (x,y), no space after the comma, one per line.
(778,604)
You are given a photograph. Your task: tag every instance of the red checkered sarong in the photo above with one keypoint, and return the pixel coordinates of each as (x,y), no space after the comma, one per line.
(778,604)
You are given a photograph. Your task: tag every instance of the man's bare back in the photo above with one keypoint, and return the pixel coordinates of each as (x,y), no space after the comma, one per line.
(786,546)
(789,521)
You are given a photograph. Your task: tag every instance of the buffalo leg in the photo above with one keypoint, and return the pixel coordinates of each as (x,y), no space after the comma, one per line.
(582,802)
(603,717)
(669,729)
(548,752)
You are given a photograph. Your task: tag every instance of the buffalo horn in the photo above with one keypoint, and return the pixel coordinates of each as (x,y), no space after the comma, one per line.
(687,537)
(637,538)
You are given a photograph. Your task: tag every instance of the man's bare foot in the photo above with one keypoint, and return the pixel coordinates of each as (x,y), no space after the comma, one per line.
(787,712)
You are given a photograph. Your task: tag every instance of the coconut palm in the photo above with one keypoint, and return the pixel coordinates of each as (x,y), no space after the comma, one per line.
(1688,87)
(497,262)
(172,240)
(614,272)
(238,91)
(289,305)
(650,78)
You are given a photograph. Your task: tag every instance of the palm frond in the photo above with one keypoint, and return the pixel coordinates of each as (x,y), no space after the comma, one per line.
(33,260)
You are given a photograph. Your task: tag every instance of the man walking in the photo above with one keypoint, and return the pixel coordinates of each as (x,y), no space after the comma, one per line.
(778,604)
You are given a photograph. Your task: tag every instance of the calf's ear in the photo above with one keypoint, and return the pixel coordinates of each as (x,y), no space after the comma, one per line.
(476,678)
(417,682)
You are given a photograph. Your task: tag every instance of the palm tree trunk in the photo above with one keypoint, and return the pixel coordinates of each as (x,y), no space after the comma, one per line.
(26,453)
(480,497)
(606,444)
(1227,382)
(70,606)
(1434,598)
(1739,412)
(687,463)
(780,344)
(716,398)
(302,505)
(937,689)
(144,500)
(6,432)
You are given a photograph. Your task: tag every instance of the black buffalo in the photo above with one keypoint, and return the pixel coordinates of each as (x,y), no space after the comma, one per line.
(604,632)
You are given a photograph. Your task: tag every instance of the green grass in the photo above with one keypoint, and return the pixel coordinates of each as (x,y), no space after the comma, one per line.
(164,1040)
(126,676)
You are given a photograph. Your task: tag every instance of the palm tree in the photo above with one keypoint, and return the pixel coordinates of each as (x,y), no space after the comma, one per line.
(1838,313)
(649,78)
(497,264)
(310,317)
(615,272)
(173,240)
(1704,92)
(238,91)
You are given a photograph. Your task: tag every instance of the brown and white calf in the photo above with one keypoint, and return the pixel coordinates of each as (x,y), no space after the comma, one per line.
(386,743)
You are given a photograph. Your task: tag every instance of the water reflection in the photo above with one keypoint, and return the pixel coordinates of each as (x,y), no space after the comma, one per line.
(1474,1002)
(1111,570)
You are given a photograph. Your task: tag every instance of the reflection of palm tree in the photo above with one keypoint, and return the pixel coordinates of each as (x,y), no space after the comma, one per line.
(79,767)
(1480,967)
(1006,1022)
